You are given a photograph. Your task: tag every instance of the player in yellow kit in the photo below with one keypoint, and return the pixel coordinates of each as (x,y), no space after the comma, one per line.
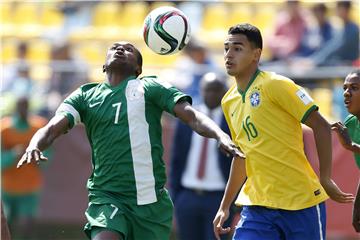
(282,197)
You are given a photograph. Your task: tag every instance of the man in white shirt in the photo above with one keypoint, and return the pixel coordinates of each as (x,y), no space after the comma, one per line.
(198,169)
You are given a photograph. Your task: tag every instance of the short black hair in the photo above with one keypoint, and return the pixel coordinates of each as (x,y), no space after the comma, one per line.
(356,72)
(344,4)
(251,32)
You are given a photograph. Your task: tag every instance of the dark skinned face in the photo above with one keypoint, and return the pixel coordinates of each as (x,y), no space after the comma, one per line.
(122,57)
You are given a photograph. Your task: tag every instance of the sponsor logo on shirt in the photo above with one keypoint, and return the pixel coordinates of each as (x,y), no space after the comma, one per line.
(91,105)
(304,96)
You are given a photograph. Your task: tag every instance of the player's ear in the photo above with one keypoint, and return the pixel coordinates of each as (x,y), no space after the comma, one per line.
(138,71)
(257,54)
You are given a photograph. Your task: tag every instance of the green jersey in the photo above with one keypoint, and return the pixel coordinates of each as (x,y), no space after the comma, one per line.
(123,125)
(353,126)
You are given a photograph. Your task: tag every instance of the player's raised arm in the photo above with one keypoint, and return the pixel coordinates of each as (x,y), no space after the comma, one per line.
(206,127)
(43,138)
(322,134)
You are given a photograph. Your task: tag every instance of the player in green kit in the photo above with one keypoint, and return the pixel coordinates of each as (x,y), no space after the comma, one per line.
(349,132)
(127,198)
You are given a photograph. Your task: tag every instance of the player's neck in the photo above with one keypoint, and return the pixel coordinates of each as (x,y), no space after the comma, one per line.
(243,78)
(115,78)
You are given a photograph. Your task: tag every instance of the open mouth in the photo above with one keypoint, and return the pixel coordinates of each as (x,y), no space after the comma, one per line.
(347,103)
(119,54)
(228,64)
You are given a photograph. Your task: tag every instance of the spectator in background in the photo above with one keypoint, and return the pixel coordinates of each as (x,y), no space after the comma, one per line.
(192,67)
(349,132)
(21,83)
(317,33)
(68,72)
(289,31)
(343,49)
(198,169)
(11,71)
(20,187)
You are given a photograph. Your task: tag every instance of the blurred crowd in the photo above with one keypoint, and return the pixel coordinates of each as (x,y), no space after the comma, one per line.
(50,48)
(53,47)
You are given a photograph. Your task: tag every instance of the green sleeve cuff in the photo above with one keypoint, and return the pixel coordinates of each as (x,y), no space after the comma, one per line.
(307,113)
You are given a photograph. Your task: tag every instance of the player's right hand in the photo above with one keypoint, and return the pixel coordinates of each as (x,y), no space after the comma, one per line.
(31,155)
(343,134)
(220,218)
(335,193)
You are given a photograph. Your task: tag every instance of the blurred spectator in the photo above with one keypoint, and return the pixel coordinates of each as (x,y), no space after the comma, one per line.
(21,83)
(11,71)
(343,49)
(77,15)
(198,169)
(20,187)
(317,33)
(190,69)
(289,31)
(68,72)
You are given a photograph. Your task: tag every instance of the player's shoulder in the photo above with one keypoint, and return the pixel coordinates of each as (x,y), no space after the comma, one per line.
(274,78)
(350,119)
(154,81)
(88,86)
(230,94)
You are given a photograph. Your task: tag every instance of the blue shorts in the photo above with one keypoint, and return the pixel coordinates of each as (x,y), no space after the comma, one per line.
(276,224)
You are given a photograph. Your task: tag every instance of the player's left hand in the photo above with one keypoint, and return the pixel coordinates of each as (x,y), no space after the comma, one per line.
(343,134)
(227,147)
(335,193)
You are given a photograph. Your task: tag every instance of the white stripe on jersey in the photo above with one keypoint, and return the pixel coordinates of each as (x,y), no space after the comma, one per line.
(140,143)
(67,108)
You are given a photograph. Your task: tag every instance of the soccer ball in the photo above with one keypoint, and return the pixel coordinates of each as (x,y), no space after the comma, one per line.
(166,30)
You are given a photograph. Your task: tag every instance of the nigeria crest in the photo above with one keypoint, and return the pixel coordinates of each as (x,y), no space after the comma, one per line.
(255,99)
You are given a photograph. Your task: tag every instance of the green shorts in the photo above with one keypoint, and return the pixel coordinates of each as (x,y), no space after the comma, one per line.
(134,222)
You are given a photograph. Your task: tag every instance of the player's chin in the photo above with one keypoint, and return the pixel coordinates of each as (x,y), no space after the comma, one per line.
(230,72)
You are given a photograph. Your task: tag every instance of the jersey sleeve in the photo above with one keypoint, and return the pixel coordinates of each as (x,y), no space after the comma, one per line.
(72,107)
(291,97)
(349,121)
(165,96)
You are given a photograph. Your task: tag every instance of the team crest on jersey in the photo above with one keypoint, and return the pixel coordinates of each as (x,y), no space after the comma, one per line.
(255,99)
(134,90)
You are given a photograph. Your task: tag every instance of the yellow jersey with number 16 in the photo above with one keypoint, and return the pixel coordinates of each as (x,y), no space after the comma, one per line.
(265,122)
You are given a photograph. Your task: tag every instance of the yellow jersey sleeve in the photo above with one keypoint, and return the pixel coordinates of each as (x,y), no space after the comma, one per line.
(291,97)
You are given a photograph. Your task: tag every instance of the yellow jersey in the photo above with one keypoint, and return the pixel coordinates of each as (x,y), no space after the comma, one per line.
(265,122)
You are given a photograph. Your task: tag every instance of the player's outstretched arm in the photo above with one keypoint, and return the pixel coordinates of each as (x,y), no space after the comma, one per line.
(322,134)
(344,137)
(206,127)
(43,138)
(236,179)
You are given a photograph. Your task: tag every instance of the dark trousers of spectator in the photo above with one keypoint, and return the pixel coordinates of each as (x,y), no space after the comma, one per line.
(195,211)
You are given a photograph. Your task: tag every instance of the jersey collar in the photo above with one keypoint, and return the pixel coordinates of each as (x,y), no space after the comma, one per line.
(243,93)
(122,83)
